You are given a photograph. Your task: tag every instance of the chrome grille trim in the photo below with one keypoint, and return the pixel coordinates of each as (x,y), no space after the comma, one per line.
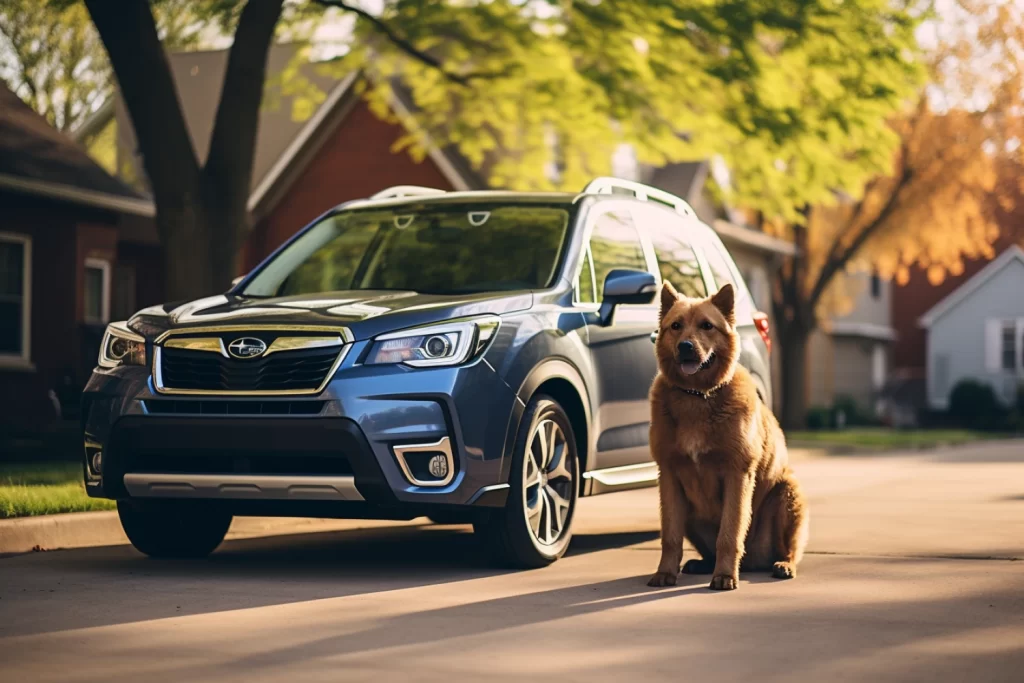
(286,342)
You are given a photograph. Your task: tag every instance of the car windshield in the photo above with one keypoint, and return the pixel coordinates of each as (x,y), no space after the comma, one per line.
(430,249)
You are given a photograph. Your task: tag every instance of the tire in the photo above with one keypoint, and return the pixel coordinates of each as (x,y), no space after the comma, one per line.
(535,526)
(173,528)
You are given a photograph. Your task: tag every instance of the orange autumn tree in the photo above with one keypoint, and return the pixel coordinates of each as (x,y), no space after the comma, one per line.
(955,171)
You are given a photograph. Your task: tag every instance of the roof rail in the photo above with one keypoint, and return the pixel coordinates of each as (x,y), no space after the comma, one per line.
(406,191)
(608,185)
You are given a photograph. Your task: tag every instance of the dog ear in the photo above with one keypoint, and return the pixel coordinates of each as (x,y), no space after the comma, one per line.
(725,301)
(669,296)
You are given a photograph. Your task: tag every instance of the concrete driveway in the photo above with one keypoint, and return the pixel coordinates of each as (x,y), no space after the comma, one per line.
(914,574)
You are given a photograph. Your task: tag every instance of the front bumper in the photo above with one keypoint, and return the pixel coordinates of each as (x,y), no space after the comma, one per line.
(337,453)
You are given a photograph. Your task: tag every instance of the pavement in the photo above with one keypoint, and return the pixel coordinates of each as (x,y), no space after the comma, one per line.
(915,572)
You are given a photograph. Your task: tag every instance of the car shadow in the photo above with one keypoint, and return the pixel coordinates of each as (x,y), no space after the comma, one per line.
(245,573)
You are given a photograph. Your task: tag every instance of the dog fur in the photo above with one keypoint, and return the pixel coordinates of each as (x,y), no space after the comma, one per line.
(724,477)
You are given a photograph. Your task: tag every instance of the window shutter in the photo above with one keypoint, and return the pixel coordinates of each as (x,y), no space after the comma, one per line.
(993,345)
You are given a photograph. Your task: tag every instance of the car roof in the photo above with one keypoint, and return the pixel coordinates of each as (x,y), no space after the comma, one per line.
(483,196)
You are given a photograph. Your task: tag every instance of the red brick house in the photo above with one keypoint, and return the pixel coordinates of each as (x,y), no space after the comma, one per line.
(64,223)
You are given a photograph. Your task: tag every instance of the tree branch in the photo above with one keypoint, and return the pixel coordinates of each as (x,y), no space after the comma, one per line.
(838,259)
(129,34)
(228,168)
(408,48)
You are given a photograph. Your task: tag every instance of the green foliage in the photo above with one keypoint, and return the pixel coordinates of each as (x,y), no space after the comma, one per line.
(854,415)
(819,418)
(53,59)
(44,489)
(793,96)
(875,438)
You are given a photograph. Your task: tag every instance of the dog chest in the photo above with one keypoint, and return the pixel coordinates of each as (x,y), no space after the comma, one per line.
(702,487)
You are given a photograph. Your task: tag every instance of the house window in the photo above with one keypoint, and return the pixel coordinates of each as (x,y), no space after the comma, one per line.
(1009,345)
(97,292)
(876,287)
(15,296)
(1004,345)
(878,366)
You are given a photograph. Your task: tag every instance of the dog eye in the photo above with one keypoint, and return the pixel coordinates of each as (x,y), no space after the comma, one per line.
(677,325)
(706,325)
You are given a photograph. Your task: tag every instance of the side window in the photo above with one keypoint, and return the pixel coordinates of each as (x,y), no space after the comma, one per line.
(722,274)
(586,294)
(677,261)
(615,243)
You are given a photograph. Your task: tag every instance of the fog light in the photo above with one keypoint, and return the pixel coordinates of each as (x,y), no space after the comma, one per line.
(438,466)
(96,463)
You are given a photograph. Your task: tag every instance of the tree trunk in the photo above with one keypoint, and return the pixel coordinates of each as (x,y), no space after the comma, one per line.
(794,339)
(202,214)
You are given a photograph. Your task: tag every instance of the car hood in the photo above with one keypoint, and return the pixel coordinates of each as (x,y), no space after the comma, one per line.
(364,313)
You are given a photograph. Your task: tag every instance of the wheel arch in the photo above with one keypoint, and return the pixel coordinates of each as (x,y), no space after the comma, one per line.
(562,382)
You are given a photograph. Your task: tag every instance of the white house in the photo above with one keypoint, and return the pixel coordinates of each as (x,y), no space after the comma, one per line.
(977,332)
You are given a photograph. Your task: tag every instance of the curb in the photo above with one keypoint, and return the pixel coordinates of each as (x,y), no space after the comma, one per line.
(92,529)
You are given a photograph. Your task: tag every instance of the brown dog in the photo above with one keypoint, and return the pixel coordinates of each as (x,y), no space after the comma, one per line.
(724,477)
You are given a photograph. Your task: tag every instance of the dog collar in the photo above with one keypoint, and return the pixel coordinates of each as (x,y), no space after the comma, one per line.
(701,394)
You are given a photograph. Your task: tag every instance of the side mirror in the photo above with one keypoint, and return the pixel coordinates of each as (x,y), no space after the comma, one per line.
(626,286)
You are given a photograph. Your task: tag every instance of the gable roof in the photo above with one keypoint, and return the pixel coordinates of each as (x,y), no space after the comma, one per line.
(961,293)
(39,160)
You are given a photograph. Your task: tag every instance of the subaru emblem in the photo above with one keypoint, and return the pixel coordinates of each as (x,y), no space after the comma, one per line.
(247,347)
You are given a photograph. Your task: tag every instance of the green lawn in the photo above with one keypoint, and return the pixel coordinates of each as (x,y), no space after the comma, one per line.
(879,438)
(44,489)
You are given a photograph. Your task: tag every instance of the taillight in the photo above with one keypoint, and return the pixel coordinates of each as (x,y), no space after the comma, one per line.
(761,323)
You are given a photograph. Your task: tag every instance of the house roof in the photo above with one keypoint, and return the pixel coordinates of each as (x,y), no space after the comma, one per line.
(964,291)
(37,159)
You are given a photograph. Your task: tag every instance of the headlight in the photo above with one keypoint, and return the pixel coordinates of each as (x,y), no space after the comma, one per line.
(448,343)
(121,346)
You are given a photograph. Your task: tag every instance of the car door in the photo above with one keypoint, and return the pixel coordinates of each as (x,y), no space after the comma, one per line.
(620,348)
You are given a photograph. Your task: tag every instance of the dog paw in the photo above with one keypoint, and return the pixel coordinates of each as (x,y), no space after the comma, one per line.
(784,570)
(662,579)
(724,583)
(698,567)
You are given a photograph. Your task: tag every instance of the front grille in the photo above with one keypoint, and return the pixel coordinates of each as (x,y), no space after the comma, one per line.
(302,370)
(241,407)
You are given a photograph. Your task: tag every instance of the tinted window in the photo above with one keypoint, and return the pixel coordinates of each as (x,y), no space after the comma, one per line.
(722,274)
(615,244)
(586,292)
(678,263)
(441,250)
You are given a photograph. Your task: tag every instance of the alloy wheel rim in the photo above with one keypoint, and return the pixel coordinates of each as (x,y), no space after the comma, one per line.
(548,481)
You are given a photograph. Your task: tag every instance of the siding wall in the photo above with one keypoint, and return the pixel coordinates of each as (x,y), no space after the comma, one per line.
(956,341)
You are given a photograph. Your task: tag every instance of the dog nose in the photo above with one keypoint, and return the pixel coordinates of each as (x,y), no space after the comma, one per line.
(686,347)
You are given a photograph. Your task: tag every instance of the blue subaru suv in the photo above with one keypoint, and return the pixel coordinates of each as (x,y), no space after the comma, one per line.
(471,357)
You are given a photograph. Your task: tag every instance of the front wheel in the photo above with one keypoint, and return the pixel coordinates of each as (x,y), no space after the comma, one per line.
(173,528)
(535,526)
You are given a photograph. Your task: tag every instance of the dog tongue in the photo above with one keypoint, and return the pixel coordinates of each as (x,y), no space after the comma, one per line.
(689,367)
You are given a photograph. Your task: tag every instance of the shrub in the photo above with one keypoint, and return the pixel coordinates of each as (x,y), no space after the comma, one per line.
(819,418)
(974,405)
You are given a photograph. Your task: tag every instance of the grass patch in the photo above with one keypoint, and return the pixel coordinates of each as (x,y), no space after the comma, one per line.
(45,488)
(880,438)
